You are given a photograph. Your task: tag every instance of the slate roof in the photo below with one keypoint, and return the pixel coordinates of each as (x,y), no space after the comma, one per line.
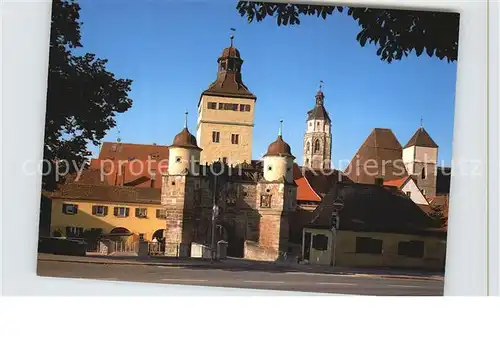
(319,111)
(372,208)
(229,83)
(380,156)
(421,138)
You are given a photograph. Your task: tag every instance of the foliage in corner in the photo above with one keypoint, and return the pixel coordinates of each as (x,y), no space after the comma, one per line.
(83,97)
(396,33)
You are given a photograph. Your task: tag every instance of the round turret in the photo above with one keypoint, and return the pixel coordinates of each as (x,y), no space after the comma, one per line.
(184,153)
(278,161)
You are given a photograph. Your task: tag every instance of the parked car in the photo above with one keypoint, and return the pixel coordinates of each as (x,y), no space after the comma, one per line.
(62,246)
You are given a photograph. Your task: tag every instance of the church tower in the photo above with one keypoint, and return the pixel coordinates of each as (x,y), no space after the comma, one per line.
(318,137)
(226,113)
(420,159)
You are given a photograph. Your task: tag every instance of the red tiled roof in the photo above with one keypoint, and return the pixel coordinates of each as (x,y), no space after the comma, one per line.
(380,156)
(398,183)
(129,151)
(305,192)
(137,173)
(109,193)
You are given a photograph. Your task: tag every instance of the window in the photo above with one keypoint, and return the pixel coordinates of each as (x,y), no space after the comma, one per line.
(269,168)
(265,201)
(424,175)
(234,138)
(141,212)
(74,232)
(308,146)
(228,107)
(98,210)
(215,137)
(316,145)
(408,193)
(212,105)
(413,249)
(121,211)
(178,159)
(320,242)
(244,108)
(70,209)
(368,246)
(307,162)
(161,214)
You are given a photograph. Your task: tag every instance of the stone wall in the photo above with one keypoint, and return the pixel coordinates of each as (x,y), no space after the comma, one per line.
(253,251)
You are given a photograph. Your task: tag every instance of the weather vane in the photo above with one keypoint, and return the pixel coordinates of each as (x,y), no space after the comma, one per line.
(118,139)
(321,85)
(232,35)
(421,122)
(280,132)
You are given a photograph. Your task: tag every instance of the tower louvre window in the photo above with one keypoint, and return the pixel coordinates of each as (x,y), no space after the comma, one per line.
(244,108)
(212,105)
(316,145)
(424,175)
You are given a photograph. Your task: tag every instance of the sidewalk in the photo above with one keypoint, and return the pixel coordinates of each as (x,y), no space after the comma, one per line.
(243,264)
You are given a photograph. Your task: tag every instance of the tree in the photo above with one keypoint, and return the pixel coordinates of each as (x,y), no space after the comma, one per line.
(396,33)
(438,216)
(83,98)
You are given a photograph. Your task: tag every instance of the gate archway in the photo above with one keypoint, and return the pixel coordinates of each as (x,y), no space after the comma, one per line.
(235,242)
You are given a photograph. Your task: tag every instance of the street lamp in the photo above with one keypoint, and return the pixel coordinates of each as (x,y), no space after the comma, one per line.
(338,204)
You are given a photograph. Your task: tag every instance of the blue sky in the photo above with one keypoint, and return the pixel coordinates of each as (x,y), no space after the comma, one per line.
(170,50)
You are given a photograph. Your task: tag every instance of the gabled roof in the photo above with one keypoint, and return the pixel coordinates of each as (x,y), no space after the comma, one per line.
(373,208)
(380,156)
(317,181)
(421,138)
(305,192)
(398,183)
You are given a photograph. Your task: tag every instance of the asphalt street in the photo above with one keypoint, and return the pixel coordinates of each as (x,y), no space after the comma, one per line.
(249,279)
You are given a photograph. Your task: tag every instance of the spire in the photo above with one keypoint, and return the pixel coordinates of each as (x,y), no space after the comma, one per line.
(280,131)
(186,119)
(321,85)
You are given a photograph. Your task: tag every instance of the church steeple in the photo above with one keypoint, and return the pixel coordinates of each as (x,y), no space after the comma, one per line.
(318,137)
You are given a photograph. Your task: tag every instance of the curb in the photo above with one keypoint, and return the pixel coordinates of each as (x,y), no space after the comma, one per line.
(221,265)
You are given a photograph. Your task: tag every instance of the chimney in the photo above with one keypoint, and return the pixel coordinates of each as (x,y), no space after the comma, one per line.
(123,175)
(153,178)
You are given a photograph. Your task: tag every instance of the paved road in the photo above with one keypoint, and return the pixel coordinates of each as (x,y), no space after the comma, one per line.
(250,279)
